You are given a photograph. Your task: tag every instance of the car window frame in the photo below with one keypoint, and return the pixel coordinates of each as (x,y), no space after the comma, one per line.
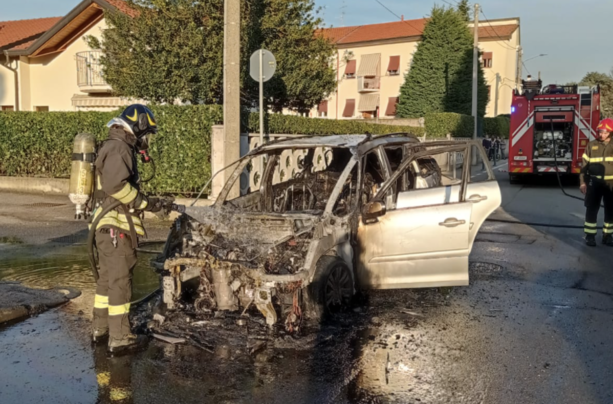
(446,147)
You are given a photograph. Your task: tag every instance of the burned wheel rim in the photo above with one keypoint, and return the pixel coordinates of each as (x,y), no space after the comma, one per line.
(338,289)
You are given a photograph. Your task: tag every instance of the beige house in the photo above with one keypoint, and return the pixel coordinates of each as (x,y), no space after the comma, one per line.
(46,64)
(372,60)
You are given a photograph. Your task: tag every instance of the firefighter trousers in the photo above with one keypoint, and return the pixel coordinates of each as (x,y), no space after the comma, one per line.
(114,286)
(597,192)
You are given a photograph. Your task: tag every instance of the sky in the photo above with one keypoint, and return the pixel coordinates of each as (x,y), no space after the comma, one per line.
(576,35)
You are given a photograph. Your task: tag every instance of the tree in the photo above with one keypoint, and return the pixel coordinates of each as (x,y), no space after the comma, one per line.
(464,9)
(440,78)
(606,90)
(173,50)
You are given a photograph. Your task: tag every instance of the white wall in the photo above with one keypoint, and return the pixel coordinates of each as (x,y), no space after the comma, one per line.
(53,78)
(7,85)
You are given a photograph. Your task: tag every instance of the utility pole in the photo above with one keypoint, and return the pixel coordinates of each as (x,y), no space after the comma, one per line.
(519,70)
(231,85)
(476,72)
(497,89)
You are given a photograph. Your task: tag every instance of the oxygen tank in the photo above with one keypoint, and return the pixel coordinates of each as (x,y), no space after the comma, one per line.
(82,173)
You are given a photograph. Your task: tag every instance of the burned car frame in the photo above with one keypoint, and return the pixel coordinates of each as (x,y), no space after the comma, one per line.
(356,212)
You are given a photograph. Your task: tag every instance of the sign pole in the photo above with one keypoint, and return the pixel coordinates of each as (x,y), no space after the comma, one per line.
(261,97)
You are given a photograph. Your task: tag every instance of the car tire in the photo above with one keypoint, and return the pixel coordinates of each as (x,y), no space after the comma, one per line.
(332,290)
(514,179)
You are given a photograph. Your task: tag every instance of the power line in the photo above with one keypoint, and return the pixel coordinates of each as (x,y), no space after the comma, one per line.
(397,16)
(522,62)
(502,41)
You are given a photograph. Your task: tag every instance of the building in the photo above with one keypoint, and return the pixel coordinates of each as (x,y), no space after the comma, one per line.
(372,60)
(46,64)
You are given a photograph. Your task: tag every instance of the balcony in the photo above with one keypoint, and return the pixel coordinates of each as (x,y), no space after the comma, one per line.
(89,73)
(368,84)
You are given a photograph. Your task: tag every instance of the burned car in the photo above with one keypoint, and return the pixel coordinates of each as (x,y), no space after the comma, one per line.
(328,216)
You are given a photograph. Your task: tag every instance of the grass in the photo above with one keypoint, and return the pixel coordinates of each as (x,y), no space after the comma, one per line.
(10,240)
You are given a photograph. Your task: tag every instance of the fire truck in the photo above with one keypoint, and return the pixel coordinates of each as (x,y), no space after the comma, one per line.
(550,128)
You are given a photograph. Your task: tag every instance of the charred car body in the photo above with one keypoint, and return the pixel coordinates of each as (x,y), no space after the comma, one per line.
(329,215)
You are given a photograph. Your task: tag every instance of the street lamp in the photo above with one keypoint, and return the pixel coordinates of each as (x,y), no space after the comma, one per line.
(534,57)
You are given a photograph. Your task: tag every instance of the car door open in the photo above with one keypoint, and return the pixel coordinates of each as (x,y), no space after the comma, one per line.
(422,238)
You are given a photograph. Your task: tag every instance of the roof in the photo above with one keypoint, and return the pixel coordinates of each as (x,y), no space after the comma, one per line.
(122,6)
(16,35)
(404,29)
(60,32)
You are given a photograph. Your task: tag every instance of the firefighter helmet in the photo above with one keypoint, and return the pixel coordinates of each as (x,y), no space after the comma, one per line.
(606,124)
(136,119)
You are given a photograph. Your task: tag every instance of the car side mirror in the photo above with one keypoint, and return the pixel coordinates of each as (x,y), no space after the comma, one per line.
(372,210)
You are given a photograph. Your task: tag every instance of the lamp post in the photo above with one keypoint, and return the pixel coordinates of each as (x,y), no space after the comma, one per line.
(534,57)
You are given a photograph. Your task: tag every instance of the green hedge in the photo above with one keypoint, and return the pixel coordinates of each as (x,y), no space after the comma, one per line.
(40,144)
(441,124)
(289,125)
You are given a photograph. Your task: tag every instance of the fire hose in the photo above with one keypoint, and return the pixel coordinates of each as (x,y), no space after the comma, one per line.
(92,233)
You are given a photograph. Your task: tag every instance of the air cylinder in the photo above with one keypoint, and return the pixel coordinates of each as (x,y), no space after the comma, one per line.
(82,173)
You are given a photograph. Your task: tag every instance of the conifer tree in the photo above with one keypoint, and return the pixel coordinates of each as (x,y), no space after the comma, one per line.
(440,77)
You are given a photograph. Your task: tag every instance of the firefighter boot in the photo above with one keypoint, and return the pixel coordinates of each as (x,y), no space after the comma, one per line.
(607,240)
(100,335)
(127,343)
(590,240)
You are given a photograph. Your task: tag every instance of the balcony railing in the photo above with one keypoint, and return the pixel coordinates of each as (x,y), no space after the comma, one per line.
(368,84)
(89,73)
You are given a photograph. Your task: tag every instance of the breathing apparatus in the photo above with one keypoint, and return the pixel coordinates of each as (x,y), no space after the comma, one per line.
(136,120)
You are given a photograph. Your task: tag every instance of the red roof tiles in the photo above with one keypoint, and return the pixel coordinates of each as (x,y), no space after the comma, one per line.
(402,29)
(122,6)
(16,35)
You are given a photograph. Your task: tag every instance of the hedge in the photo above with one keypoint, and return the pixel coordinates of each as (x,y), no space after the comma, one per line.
(441,124)
(40,144)
(289,125)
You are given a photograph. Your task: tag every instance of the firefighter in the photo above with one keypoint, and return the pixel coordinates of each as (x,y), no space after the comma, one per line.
(117,232)
(597,184)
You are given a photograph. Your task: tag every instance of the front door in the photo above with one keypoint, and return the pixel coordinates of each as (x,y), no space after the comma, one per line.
(422,240)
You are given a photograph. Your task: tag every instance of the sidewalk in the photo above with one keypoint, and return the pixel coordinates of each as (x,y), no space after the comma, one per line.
(40,219)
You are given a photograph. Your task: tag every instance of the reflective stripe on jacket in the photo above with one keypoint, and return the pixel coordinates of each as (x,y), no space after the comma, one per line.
(117,179)
(597,161)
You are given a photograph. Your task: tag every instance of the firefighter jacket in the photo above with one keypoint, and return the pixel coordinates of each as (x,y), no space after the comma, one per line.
(117,179)
(598,162)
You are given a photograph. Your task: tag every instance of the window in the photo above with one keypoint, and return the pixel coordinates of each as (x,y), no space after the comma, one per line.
(391,106)
(8,108)
(393,68)
(322,109)
(437,177)
(350,69)
(41,109)
(486,60)
(349,108)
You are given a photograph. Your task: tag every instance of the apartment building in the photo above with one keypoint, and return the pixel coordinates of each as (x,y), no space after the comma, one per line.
(372,61)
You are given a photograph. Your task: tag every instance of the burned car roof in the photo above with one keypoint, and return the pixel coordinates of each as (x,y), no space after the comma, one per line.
(342,141)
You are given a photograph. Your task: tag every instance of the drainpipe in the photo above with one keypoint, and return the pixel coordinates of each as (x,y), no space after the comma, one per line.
(7,65)
(338,66)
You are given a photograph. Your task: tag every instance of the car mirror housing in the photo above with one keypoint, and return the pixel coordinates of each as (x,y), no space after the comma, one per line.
(372,210)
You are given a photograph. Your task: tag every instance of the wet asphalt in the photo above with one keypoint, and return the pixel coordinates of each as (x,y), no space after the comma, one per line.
(533,327)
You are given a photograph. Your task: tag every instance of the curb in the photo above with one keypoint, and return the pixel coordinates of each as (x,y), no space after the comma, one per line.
(31,185)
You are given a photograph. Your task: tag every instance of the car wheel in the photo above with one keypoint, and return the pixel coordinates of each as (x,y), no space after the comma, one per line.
(514,179)
(333,288)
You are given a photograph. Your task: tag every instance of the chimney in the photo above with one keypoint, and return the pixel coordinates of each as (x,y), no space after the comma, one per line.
(402,17)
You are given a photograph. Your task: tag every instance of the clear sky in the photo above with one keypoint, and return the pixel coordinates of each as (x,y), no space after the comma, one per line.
(576,35)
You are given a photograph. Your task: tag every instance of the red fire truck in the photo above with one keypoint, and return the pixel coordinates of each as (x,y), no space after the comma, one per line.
(550,128)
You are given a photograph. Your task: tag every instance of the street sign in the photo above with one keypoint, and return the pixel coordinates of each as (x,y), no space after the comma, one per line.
(268,65)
